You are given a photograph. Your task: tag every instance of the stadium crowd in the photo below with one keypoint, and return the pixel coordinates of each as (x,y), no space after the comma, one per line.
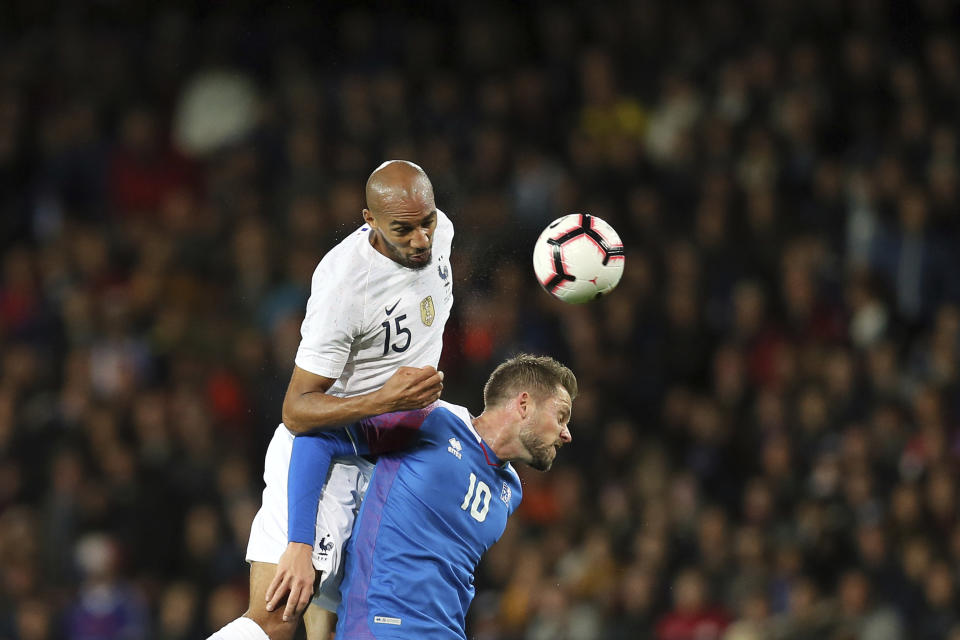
(766,442)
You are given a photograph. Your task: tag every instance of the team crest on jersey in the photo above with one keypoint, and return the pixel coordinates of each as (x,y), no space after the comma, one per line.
(444,271)
(427,313)
(455,448)
(506,494)
(323,547)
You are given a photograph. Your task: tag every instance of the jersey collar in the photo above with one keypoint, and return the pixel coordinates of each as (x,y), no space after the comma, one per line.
(488,453)
(491,457)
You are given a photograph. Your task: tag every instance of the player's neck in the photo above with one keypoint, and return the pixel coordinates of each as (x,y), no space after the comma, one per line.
(493,427)
(377,243)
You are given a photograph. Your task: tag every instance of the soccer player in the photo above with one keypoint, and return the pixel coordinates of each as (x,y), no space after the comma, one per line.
(371,337)
(432,511)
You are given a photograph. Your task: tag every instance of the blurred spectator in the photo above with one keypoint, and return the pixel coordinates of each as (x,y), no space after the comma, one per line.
(557,616)
(106,608)
(693,615)
(806,617)
(939,613)
(861,618)
(753,622)
(635,605)
(177,615)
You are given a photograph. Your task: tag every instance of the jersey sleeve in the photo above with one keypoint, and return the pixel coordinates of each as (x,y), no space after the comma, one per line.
(312,454)
(309,462)
(334,317)
(390,432)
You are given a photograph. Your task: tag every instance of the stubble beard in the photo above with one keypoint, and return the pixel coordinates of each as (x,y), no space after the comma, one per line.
(418,266)
(540,458)
(403,260)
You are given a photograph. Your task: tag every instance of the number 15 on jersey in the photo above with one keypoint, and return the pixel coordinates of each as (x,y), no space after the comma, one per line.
(400,331)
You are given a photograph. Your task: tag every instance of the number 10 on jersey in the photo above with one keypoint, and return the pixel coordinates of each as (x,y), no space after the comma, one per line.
(482,494)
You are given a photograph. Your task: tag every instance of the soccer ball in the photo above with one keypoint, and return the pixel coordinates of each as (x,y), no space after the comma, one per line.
(578,258)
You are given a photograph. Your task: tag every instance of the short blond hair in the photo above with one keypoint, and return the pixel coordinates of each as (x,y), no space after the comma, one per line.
(538,375)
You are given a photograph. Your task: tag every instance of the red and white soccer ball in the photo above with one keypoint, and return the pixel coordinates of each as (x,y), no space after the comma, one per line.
(578,258)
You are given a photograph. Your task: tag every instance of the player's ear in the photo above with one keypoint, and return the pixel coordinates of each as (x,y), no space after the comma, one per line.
(369,219)
(523,403)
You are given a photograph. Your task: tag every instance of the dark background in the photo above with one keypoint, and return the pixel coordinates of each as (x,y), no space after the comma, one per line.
(765,444)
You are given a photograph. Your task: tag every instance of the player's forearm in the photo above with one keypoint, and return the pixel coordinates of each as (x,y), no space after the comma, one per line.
(309,461)
(306,412)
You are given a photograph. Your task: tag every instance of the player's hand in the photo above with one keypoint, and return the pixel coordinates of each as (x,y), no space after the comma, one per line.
(412,388)
(295,575)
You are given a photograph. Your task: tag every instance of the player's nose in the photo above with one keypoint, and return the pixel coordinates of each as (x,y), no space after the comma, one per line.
(421,239)
(565,436)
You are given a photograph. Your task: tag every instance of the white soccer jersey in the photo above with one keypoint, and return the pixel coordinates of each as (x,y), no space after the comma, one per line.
(368,315)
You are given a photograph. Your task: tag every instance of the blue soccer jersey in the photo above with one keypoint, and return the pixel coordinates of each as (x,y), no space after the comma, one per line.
(429,515)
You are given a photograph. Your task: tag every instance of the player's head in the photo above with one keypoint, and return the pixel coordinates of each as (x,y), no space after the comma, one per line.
(538,391)
(401,212)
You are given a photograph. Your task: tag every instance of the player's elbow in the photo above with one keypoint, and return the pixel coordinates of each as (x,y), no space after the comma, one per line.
(295,427)
(291,418)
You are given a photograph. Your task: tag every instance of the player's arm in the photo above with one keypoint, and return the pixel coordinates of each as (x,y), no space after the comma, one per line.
(309,461)
(389,432)
(308,406)
(312,454)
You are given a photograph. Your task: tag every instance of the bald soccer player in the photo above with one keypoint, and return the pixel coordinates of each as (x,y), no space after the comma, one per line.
(370,341)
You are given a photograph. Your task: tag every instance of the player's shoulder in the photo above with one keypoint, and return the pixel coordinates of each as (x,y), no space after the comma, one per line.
(509,468)
(443,220)
(447,425)
(347,260)
(446,418)
(444,230)
(449,413)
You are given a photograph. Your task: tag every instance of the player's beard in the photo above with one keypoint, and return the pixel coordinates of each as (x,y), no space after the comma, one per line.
(540,452)
(403,259)
(417,266)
